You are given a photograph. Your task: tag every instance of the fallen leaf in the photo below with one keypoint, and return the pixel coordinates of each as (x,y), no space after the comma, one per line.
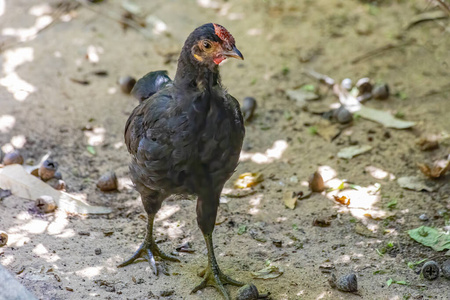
(416,183)
(364,231)
(242,229)
(428,143)
(246,180)
(24,185)
(91,150)
(379,215)
(300,96)
(328,130)
(342,200)
(268,273)
(431,237)
(290,199)
(383,118)
(352,151)
(438,169)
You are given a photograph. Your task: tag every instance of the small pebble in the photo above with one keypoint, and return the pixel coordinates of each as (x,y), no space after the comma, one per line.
(47,169)
(126,84)
(430,270)
(3,238)
(57,184)
(45,204)
(98,251)
(342,115)
(446,269)
(58,175)
(13,157)
(249,292)
(108,182)
(86,233)
(167,293)
(364,86)
(316,183)
(277,243)
(345,283)
(423,217)
(347,84)
(381,91)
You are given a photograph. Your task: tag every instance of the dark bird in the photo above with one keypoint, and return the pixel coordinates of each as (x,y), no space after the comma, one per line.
(185,137)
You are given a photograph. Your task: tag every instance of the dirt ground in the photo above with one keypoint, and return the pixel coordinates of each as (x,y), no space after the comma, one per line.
(46,52)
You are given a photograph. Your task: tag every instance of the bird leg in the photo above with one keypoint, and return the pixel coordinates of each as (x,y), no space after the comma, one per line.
(213,276)
(149,250)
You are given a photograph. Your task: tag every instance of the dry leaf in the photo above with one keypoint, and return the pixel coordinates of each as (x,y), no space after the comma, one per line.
(352,151)
(342,200)
(380,215)
(268,273)
(329,131)
(24,185)
(248,179)
(416,183)
(290,199)
(438,169)
(427,144)
(384,118)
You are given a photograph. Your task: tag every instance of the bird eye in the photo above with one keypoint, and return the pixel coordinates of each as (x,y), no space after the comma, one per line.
(206,44)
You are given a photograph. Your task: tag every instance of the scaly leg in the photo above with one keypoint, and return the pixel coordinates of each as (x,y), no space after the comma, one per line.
(148,249)
(213,276)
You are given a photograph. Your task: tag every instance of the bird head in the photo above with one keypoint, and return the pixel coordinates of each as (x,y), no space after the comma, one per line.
(210,44)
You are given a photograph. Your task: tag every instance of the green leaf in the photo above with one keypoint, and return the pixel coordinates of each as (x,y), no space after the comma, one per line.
(312,130)
(91,150)
(309,88)
(242,229)
(389,282)
(413,264)
(431,237)
(392,204)
(399,115)
(379,252)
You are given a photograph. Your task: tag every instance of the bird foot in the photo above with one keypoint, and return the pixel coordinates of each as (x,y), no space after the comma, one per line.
(214,277)
(149,251)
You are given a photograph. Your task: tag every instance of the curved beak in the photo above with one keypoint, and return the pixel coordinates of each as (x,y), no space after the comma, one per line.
(235,53)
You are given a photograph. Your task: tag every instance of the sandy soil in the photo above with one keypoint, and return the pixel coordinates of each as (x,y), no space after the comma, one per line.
(42,110)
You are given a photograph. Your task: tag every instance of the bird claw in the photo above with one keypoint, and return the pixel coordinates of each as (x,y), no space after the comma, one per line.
(215,278)
(148,251)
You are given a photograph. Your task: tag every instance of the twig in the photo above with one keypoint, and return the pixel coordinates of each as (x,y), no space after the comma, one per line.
(116,18)
(380,50)
(426,17)
(321,77)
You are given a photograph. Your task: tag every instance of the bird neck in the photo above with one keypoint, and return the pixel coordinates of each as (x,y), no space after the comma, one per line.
(193,75)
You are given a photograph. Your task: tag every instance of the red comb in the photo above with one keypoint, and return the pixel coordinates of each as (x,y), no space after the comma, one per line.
(223,34)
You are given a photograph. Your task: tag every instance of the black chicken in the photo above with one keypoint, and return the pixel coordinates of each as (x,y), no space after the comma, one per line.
(185,137)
